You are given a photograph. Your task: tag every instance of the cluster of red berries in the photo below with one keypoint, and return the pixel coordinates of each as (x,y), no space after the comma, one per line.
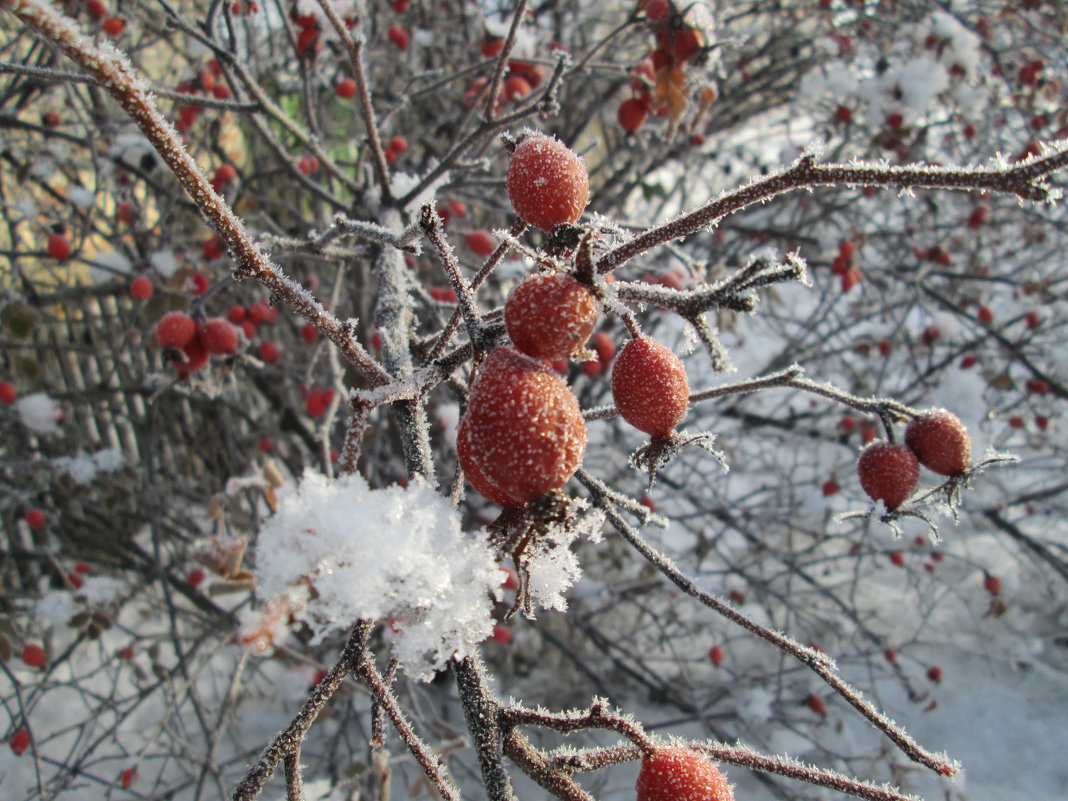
(844,265)
(209,82)
(197,340)
(936,439)
(521,78)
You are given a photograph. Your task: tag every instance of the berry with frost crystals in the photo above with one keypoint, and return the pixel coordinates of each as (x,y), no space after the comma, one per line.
(888,472)
(479,480)
(650,387)
(219,336)
(679,774)
(526,431)
(550,315)
(175,330)
(940,441)
(141,288)
(547,182)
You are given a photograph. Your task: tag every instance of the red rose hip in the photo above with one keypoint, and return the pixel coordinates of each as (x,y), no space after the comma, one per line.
(888,472)
(940,441)
(679,774)
(650,387)
(525,429)
(547,182)
(550,315)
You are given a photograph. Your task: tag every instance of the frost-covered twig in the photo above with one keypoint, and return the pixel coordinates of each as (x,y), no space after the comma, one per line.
(431,225)
(289,739)
(818,662)
(354,46)
(518,16)
(482,712)
(1023,180)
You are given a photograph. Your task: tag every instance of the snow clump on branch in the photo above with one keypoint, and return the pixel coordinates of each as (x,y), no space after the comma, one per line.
(337,551)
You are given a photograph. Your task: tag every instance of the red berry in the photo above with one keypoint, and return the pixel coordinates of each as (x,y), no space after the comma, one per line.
(8,394)
(501,634)
(884,347)
(985,315)
(897,559)
(481,242)
(265,444)
(141,288)
(33,655)
(511,581)
(225,174)
(308,165)
(308,333)
(236,314)
(398,36)
(715,655)
(19,742)
(940,441)
(113,26)
(1016,421)
(1037,386)
(968,362)
(96,9)
(219,336)
(35,519)
(175,330)
(212,248)
(930,334)
(679,774)
(1034,319)
(196,577)
(398,144)
(261,312)
(934,673)
(888,472)
(196,356)
(473,473)
(890,655)
(830,487)
(816,704)
(516,87)
(851,278)
(127,777)
(308,42)
(650,387)
(992,584)
(58,247)
(843,114)
(605,347)
(550,315)
(979,215)
(547,182)
(491,48)
(526,431)
(346,88)
(269,352)
(847,249)
(632,114)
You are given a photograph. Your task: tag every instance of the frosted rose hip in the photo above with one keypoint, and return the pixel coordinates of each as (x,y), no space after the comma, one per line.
(527,435)
(650,387)
(679,774)
(479,480)
(888,472)
(550,315)
(547,182)
(940,441)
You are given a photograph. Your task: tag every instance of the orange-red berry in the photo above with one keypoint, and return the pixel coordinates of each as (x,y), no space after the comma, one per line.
(940,441)
(679,774)
(650,387)
(175,330)
(888,472)
(550,315)
(547,182)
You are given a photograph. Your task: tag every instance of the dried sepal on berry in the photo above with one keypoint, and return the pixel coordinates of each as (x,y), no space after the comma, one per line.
(551,315)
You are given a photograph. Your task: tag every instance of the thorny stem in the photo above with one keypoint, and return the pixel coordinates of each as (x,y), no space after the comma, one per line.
(595,758)
(818,662)
(294,780)
(1022,180)
(387,701)
(431,225)
(114,73)
(594,718)
(288,741)
(355,50)
(482,711)
(531,761)
(502,61)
